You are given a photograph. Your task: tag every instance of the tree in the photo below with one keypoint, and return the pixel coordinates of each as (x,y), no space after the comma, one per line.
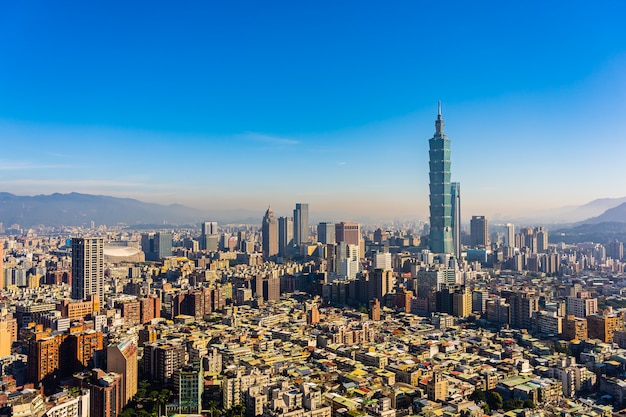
(513,404)
(478,395)
(160,398)
(528,403)
(213,409)
(486,408)
(494,399)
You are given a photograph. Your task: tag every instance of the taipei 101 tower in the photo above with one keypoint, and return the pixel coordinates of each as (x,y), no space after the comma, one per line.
(440,240)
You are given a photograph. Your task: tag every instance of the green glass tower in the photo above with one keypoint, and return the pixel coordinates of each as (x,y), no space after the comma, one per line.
(440,239)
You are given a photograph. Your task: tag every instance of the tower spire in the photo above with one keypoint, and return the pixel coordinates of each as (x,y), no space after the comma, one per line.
(439,121)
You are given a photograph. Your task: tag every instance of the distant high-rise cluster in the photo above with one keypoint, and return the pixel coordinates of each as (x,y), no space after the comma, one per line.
(284,235)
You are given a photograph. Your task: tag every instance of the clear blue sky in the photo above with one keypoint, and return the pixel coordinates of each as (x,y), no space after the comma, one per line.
(229,104)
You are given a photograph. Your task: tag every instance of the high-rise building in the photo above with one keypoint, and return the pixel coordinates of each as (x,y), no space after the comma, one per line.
(122,359)
(440,238)
(87,267)
(542,239)
(326,233)
(523,305)
(163,245)
(269,231)
(455,190)
(479,234)
(347,257)
(348,232)
(107,396)
(603,327)
(380,283)
(582,305)
(209,228)
(301,224)
(208,236)
(382,260)
(156,246)
(285,235)
(189,381)
(614,250)
(509,236)
(161,359)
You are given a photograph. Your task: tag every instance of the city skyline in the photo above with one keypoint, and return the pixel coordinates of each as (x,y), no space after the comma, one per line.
(229,107)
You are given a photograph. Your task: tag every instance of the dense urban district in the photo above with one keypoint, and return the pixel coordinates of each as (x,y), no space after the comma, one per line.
(288,319)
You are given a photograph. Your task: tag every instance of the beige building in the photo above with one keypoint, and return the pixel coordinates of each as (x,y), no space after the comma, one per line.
(122,359)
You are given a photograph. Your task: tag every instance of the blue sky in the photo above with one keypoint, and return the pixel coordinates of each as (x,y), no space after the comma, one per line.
(243,104)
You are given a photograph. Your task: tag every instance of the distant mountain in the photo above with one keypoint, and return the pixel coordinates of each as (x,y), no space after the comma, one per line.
(76,209)
(573,214)
(615,214)
(590,232)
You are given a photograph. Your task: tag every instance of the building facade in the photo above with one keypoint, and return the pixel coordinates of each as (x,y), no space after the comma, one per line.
(440,240)
(87,267)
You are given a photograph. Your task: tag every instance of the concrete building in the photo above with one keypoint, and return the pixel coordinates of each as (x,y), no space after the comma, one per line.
(349,232)
(269,231)
(301,224)
(87,268)
(326,233)
(285,235)
(122,359)
(479,231)
(455,191)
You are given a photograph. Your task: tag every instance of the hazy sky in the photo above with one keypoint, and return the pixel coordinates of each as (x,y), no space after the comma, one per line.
(229,104)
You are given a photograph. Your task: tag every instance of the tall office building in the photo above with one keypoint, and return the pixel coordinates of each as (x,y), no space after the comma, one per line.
(440,238)
(163,245)
(156,246)
(479,235)
(326,233)
(301,223)
(285,235)
(269,231)
(122,359)
(209,228)
(87,267)
(208,236)
(456,218)
(542,239)
(509,236)
(348,232)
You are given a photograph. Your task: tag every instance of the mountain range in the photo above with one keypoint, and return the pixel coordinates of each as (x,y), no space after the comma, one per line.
(75,209)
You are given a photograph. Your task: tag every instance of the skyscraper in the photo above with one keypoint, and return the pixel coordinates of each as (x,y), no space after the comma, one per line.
(269,230)
(285,235)
(348,232)
(479,235)
(87,267)
(326,233)
(456,218)
(440,239)
(301,223)
(162,245)
(208,236)
(509,237)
